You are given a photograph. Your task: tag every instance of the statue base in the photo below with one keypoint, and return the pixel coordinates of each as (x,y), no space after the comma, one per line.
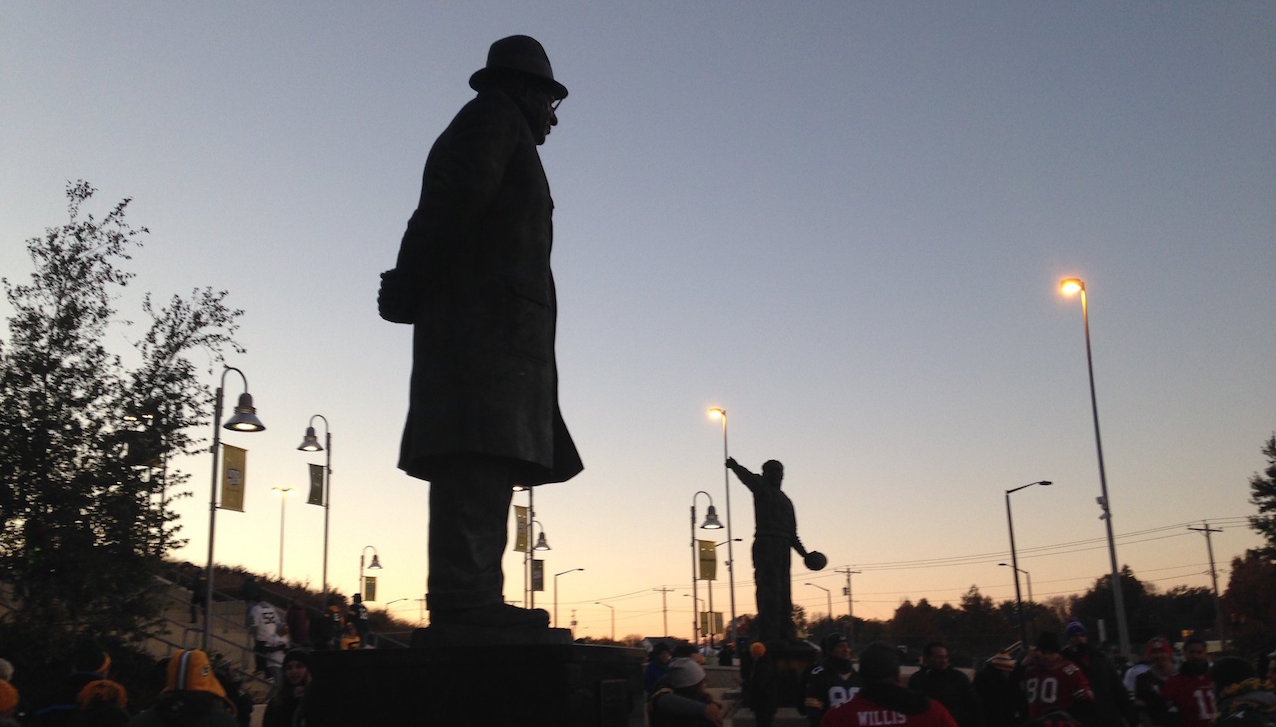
(460,675)
(792,659)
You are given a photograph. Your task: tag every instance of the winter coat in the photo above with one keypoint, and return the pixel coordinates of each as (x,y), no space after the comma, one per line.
(476,260)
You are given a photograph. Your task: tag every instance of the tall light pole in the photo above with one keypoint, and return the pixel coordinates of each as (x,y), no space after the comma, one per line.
(1014,558)
(556,575)
(613,617)
(243,420)
(310,443)
(711,522)
(374,565)
(1071,286)
(827,594)
(697,604)
(1026,575)
(284,492)
(718,412)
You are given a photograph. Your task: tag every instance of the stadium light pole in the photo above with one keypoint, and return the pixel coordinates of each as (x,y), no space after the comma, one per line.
(310,443)
(556,575)
(284,492)
(1014,558)
(718,412)
(711,522)
(613,617)
(1069,287)
(243,420)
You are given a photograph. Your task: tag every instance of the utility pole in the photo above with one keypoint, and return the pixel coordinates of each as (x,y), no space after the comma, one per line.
(1205,529)
(850,602)
(664,604)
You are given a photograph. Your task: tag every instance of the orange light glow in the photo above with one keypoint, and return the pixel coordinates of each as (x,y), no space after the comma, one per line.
(1071,286)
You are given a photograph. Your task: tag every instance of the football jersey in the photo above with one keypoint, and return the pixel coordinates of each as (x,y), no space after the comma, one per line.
(1052,688)
(860,712)
(1192,697)
(826,689)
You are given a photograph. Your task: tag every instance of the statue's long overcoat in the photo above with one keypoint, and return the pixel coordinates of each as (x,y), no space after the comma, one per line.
(477,252)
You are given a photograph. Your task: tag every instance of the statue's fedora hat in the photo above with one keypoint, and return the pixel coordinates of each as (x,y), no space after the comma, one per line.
(518,55)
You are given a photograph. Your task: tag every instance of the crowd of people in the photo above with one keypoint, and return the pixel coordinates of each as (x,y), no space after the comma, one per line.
(1060,682)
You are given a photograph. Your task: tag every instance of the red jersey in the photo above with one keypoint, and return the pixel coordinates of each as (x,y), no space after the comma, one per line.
(1192,697)
(1058,687)
(859,712)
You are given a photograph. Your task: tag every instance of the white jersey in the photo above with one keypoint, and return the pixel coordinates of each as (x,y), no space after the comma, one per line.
(263,620)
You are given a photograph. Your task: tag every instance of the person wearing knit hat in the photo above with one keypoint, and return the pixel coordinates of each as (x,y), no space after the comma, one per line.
(657,665)
(103,703)
(192,696)
(831,682)
(281,709)
(681,698)
(997,687)
(1111,698)
(1152,707)
(882,701)
(1053,683)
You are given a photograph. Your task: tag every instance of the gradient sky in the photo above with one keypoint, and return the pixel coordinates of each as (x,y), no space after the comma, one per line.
(844,222)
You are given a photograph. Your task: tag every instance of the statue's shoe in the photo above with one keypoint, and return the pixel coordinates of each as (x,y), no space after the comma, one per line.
(502,616)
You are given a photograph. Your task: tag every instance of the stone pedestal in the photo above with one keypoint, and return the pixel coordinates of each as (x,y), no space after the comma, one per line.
(474,677)
(791,661)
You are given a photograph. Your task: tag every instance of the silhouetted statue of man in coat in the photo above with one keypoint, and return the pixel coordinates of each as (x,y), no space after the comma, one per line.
(473,277)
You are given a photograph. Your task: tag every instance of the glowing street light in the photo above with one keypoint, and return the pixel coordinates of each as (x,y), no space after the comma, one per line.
(1072,286)
(718,412)
(243,420)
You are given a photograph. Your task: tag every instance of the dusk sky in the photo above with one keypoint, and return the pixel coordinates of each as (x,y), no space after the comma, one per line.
(843,222)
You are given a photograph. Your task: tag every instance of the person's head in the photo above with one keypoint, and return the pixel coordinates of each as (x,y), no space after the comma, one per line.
(8,699)
(189,670)
(662,653)
(519,66)
(1048,646)
(1159,655)
(773,472)
(836,645)
(6,670)
(1195,651)
(1075,633)
(358,598)
(1230,670)
(685,675)
(936,655)
(297,668)
(879,662)
(102,694)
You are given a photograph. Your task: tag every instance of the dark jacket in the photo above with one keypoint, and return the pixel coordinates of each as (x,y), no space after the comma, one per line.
(1111,700)
(952,689)
(476,261)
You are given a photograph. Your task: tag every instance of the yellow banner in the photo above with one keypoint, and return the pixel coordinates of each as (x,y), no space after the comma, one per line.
(521,532)
(708,560)
(234,476)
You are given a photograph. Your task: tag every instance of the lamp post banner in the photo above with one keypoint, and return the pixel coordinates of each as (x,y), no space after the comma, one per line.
(234,476)
(538,575)
(369,588)
(316,485)
(708,560)
(521,541)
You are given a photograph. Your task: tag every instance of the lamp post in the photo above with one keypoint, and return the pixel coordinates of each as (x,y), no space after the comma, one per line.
(718,412)
(1014,558)
(284,492)
(827,594)
(1071,286)
(697,603)
(310,443)
(556,575)
(243,420)
(374,565)
(613,617)
(711,522)
(540,544)
(1026,575)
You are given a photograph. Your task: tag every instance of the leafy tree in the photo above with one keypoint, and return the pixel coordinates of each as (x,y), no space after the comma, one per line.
(1263,496)
(79,527)
(1249,604)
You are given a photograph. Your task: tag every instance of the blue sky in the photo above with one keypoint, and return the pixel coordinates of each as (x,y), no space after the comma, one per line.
(843,222)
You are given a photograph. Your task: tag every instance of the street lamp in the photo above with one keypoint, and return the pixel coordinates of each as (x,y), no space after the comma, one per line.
(827,594)
(1014,558)
(718,412)
(1026,574)
(711,522)
(698,603)
(284,492)
(613,617)
(1072,286)
(243,420)
(310,443)
(541,544)
(556,575)
(374,565)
